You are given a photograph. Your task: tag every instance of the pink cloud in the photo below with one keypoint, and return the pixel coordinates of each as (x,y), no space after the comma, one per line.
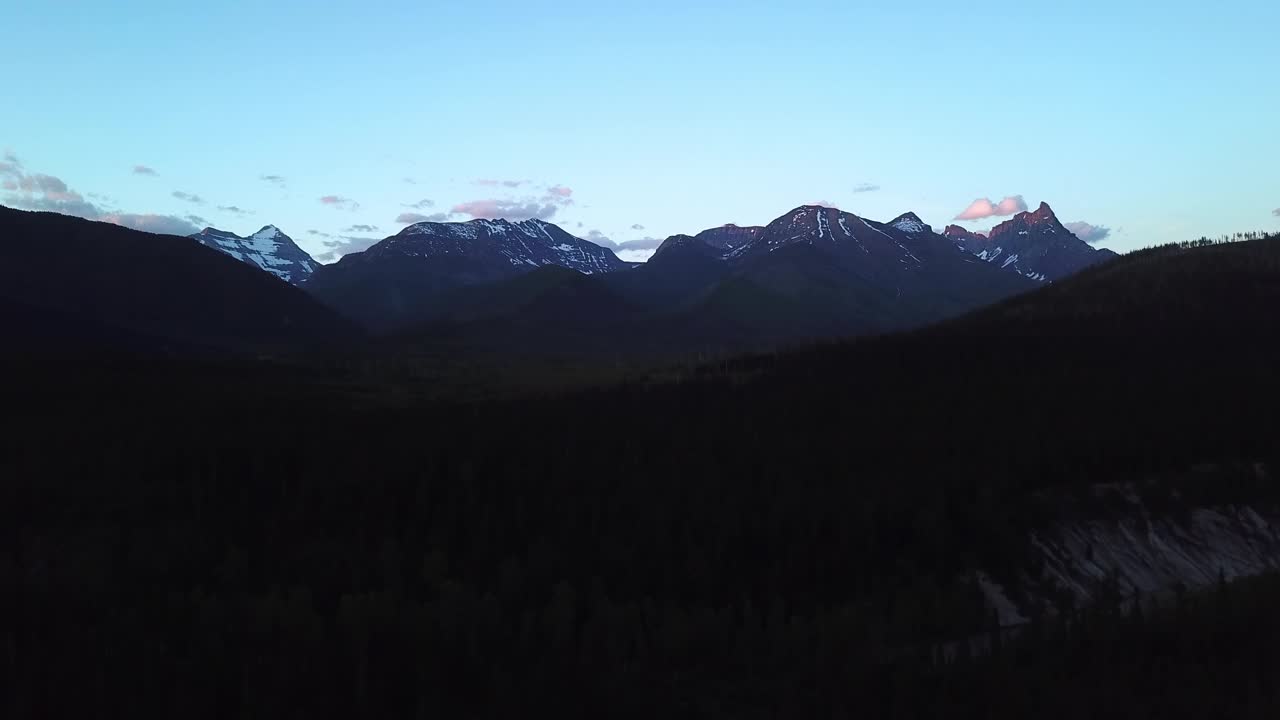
(160,224)
(508,209)
(559,191)
(337,201)
(984,208)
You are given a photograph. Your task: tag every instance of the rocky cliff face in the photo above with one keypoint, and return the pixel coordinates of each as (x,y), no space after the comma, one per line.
(1139,552)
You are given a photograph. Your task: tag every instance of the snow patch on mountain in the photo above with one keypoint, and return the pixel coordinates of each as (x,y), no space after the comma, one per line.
(268,249)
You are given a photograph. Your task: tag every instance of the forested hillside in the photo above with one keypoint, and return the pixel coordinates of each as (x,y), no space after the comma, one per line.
(788,534)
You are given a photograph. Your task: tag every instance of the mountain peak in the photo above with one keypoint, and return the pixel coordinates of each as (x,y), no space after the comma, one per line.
(268,249)
(1044,212)
(909,222)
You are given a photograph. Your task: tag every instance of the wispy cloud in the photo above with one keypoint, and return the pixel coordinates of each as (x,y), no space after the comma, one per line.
(339,202)
(508,209)
(526,208)
(144,170)
(196,220)
(160,224)
(38,191)
(599,238)
(361,228)
(824,203)
(865,188)
(984,208)
(277,180)
(411,218)
(422,204)
(637,226)
(1276,212)
(188,197)
(344,245)
(234,210)
(503,183)
(410,181)
(1088,232)
(317,233)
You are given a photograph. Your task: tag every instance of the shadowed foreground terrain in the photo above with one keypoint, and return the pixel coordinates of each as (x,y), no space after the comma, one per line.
(781,535)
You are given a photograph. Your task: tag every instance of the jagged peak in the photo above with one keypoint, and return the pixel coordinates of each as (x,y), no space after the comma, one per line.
(1044,212)
(909,222)
(268,231)
(957,231)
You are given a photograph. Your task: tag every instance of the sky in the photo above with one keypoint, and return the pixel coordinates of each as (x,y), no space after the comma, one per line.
(625,122)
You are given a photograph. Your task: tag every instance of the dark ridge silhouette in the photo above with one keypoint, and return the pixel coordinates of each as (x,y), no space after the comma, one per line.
(164,287)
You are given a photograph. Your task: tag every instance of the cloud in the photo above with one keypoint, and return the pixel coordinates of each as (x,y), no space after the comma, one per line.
(517,209)
(1088,233)
(865,188)
(984,208)
(641,244)
(361,228)
(144,170)
(188,197)
(635,255)
(599,238)
(196,219)
(637,226)
(38,191)
(825,204)
(410,181)
(1276,212)
(319,234)
(160,224)
(644,243)
(234,210)
(509,209)
(422,204)
(503,183)
(342,203)
(273,179)
(344,245)
(411,218)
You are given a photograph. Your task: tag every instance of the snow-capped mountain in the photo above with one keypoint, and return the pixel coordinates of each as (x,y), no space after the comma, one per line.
(511,245)
(408,277)
(819,270)
(1032,244)
(268,249)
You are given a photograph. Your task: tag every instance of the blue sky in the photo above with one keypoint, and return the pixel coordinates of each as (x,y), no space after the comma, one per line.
(642,119)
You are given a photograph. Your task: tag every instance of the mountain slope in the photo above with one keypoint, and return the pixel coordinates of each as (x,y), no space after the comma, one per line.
(268,249)
(863,275)
(155,285)
(1033,244)
(399,281)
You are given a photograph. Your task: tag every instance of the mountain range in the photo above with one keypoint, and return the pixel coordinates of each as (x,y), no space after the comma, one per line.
(814,273)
